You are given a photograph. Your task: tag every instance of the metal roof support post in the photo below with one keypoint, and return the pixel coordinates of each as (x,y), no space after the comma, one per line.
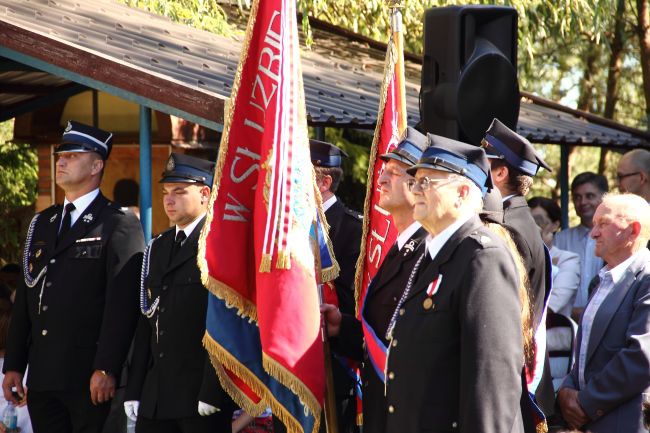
(145,171)
(320,133)
(564,184)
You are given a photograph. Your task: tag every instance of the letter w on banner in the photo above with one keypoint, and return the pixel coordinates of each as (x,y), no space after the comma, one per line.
(258,249)
(379,232)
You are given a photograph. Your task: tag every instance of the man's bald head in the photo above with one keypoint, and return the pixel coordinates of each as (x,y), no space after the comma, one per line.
(633,174)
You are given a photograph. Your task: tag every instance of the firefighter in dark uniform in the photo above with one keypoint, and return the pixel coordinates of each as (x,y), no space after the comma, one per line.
(455,336)
(387,285)
(514,162)
(172,384)
(345,234)
(76,308)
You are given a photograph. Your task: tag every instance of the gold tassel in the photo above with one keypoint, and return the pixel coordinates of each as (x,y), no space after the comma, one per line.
(329,274)
(360,419)
(542,427)
(284,260)
(265,263)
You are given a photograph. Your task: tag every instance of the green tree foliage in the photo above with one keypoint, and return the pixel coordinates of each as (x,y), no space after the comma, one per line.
(18,183)
(200,14)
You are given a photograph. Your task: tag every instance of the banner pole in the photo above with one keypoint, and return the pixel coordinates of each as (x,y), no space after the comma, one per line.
(331,422)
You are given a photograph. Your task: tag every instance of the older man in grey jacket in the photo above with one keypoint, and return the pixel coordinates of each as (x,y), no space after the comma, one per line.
(603,392)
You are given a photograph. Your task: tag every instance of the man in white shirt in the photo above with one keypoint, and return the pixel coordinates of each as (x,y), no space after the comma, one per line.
(603,392)
(587,190)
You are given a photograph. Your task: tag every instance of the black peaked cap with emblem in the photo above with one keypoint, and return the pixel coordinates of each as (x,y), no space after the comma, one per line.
(456,157)
(410,148)
(182,168)
(78,137)
(325,154)
(502,142)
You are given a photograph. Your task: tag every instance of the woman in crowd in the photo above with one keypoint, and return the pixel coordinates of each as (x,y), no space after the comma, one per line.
(566,265)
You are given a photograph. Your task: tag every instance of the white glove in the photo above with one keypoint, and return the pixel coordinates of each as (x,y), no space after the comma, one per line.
(131,409)
(207,409)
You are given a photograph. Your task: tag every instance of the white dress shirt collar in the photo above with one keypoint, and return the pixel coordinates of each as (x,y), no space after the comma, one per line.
(80,205)
(406,234)
(328,203)
(435,244)
(191,226)
(619,270)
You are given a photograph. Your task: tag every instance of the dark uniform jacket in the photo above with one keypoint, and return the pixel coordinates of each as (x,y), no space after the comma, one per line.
(526,235)
(383,294)
(456,357)
(86,316)
(171,370)
(345,234)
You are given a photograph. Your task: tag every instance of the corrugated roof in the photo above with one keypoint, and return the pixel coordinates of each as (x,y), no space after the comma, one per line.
(191,71)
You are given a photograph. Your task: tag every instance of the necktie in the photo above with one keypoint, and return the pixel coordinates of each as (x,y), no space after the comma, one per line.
(67,219)
(180,237)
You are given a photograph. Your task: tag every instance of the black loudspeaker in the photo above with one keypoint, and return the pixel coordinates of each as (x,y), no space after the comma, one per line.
(469,75)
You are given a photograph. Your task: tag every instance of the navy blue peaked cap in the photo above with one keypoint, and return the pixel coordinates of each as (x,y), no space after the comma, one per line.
(456,157)
(410,148)
(502,142)
(78,137)
(188,169)
(325,154)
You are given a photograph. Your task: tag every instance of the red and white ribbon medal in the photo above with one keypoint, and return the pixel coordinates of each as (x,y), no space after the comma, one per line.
(432,290)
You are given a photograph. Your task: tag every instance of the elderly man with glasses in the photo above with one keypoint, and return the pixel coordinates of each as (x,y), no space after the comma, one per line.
(456,349)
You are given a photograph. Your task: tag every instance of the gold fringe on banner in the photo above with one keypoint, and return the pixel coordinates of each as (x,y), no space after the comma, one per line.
(220,357)
(265,263)
(289,380)
(542,428)
(284,260)
(358,277)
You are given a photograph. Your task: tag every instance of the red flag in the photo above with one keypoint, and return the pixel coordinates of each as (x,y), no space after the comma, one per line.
(379,232)
(257,253)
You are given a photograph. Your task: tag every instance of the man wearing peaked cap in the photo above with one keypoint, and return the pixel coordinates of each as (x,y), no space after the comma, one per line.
(75,310)
(172,384)
(514,162)
(455,339)
(345,234)
(387,285)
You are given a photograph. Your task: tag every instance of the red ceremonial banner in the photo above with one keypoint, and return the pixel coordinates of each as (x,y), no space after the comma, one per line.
(257,248)
(379,232)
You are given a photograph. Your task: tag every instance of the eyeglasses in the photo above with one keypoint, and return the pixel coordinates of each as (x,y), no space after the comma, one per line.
(425,183)
(620,176)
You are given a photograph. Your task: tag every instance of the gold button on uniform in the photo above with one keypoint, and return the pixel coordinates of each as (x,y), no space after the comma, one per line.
(391,409)
(394,343)
(402,311)
(427,304)
(44,332)
(391,375)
